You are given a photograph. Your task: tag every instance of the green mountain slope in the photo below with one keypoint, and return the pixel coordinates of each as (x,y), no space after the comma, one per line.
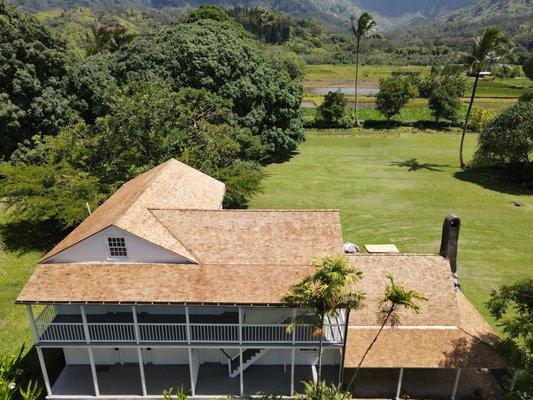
(512,16)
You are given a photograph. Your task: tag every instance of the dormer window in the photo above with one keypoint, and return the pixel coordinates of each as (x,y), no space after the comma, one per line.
(117,247)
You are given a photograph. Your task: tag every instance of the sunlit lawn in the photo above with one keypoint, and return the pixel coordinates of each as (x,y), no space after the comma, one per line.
(396,187)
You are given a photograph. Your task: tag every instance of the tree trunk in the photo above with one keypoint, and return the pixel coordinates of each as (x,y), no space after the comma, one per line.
(320,348)
(461,161)
(352,381)
(356,81)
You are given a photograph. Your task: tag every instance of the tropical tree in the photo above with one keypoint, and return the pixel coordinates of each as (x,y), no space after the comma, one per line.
(104,39)
(361,28)
(394,297)
(491,48)
(330,288)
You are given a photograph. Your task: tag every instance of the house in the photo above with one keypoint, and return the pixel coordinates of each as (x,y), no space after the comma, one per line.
(160,287)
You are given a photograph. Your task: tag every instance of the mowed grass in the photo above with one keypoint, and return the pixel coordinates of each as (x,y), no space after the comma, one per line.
(396,188)
(15,269)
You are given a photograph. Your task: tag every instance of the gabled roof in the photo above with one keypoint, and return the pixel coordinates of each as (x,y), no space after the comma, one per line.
(281,237)
(171,184)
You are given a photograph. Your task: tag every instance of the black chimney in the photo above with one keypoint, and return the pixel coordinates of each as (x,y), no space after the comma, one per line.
(450,237)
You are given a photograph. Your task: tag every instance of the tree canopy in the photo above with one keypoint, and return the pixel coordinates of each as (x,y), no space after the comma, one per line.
(33,61)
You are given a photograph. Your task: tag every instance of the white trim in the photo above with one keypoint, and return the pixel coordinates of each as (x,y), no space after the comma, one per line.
(136,324)
(436,327)
(85,325)
(292,372)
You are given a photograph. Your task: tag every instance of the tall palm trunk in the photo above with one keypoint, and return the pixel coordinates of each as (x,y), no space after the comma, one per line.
(356,80)
(461,161)
(389,312)
(320,349)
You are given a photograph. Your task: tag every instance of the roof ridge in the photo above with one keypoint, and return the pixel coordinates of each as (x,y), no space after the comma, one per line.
(195,257)
(132,201)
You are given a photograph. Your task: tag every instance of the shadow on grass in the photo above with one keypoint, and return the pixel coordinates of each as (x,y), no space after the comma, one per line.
(55,362)
(422,124)
(30,235)
(493,179)
(414,165)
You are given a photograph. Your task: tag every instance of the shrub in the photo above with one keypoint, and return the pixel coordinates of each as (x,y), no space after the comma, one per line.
(394,93)
(322,391)
(527,95)
(480,118)
(508,140)
(332,113)
(444,90)
(527,67)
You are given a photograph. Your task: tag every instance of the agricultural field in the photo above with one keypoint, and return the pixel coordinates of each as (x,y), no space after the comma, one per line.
(396,186)
(493,93)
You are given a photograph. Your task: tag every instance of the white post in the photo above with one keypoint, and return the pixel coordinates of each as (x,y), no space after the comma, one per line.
(136,325)
(241,379)
(188,325)
(44,371)
(456,383)
(399,387)
(141,370)
(32,323)
(191,373)
(292,373)
(85,326)
(513,380)
(93,372)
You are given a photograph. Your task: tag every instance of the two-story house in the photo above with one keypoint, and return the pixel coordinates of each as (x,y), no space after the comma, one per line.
(160,287)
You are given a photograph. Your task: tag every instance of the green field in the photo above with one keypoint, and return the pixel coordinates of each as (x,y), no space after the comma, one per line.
(397,188)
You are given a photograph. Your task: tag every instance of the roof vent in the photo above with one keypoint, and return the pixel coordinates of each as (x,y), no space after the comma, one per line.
(350,248)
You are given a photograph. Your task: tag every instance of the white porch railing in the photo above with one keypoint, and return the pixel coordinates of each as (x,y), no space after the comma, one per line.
(125,332)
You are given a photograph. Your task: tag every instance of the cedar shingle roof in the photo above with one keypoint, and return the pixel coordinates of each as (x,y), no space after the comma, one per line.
(170,185)
(255,236)
(448,333)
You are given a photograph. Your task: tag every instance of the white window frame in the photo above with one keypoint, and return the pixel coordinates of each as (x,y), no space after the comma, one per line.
(108,248)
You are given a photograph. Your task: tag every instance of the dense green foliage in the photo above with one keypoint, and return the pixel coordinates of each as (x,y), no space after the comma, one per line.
(444,98)
(33,61)
(322,391)
(394,93)
(222,58)
(512,308)
(527,67)
(203,92)
(508,140)
(332,113)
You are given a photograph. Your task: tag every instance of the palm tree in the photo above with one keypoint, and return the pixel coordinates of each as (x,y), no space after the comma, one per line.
(489,49)
(361,28)
(395,296)
(330,288)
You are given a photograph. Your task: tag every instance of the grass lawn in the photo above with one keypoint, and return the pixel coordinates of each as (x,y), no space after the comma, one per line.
(15,269)
(397,187)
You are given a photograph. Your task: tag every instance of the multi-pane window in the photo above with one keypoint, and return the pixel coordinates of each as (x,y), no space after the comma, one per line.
(117,247)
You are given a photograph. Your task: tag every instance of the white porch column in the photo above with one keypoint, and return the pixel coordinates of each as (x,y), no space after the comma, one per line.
(85,326)
(191,373)
(399,387)
(44,371)
(188,325)
(292,372)
(32,323)
(456,383)
(141,370)
(241,372)
(93,372)
(139,350)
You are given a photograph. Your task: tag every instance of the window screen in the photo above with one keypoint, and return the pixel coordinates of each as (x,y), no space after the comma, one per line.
(117,247)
